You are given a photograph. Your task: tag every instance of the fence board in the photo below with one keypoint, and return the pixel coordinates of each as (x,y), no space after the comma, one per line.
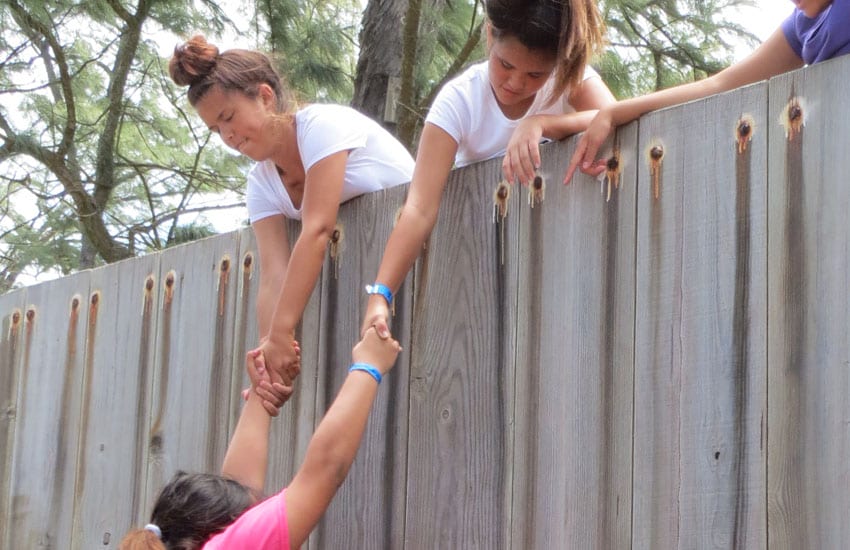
(292,429)
(809,342)
(192,376)
(369,509)
(572,479)
(462,372)
(12,322)
(700,329)
(44,459)
(115,415)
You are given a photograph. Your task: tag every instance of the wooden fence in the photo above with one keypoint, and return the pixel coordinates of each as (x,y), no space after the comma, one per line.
(640,372)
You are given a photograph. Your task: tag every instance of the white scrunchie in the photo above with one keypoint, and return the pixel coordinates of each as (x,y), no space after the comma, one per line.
(153,528)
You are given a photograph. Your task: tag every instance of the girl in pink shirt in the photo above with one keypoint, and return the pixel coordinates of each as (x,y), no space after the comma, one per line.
(211,511)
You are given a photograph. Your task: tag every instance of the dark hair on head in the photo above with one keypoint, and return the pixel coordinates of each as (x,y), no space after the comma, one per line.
(189,510)
(199,65)
(570,30)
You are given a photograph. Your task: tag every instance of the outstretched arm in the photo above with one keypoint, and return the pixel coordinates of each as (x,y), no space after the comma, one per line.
(246,459)
(434,160)
(322,191)
(771,58)
(334,445)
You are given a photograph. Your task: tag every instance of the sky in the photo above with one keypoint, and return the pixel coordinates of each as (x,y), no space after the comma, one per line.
(761,20)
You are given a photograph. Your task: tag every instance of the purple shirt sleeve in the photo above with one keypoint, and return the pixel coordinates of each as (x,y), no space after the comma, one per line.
(822,37)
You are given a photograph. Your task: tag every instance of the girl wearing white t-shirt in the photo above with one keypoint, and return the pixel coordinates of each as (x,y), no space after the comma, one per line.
(308,162)
(534,84)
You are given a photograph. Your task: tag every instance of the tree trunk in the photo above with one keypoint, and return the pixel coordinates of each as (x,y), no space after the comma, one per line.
(379,64)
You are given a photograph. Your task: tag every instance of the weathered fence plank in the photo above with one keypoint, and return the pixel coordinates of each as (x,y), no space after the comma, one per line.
(462,372)
(192,377)
(115,413)
(12,325)
(369,509)
(572,461)
(700,367)
(808,342)
(45,451)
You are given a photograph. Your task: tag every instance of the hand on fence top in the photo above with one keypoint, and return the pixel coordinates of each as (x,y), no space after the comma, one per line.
(522,156)
(379,352)
(274,389)
(588,146)
(377,315)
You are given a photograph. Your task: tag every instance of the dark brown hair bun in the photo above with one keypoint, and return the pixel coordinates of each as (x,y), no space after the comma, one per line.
(192,61)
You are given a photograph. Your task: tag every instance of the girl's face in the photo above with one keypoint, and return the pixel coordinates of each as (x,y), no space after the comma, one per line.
(240,120)
(812,7)
(516,73)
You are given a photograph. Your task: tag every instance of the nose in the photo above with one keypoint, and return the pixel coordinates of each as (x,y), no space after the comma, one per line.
(516,82)
(227,134)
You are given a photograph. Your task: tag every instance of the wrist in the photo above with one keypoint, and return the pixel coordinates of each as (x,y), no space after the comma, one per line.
(379,290)
(366,368)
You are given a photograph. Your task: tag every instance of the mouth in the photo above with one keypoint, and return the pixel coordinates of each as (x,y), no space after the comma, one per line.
(241,144)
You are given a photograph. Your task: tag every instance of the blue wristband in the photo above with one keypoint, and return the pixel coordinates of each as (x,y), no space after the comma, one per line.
(383,290)
(365,367)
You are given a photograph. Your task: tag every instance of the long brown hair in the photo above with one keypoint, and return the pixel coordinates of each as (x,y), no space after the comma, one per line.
(577,37)
(199,65)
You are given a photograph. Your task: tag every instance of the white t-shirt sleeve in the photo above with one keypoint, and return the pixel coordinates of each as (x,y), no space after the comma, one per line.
(259,197)
(323,132)
(450,111)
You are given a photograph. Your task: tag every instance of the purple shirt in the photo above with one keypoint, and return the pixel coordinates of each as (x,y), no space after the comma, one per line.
(823,37)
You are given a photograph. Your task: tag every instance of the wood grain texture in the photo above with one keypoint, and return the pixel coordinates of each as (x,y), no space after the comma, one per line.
(808,341)
(369,508)
(44,463)
(12,324)
(191,396)
(700,362)
(116,404)
(572,462)
(462,372)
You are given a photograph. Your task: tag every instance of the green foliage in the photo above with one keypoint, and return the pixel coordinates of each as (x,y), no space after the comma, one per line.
(64,175)
(312,42)
(655,44)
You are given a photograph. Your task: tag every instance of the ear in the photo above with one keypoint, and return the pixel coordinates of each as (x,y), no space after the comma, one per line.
(267,96)
(488,33)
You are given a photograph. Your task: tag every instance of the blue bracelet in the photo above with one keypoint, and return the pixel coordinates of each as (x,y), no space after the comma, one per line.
(383,290)
(365,367)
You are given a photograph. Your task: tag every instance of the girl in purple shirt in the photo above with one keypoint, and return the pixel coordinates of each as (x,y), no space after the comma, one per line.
(211,512)
(817,30)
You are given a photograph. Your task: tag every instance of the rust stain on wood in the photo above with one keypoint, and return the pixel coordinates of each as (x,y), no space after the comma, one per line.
(741,327)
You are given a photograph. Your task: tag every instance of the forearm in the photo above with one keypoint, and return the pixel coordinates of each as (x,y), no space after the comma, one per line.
(268,298)
(335,442)
(304,268)
(561,126)
(246,459)
(405,244)
(629,109)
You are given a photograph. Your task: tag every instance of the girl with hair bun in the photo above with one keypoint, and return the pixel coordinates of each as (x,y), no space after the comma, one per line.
(308,161)
(536,83)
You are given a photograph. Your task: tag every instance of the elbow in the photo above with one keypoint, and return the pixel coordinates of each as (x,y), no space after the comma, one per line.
(319,233)
(329,462)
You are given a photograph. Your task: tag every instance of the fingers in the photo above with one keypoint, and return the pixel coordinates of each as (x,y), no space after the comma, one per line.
(521,162)
(578,157)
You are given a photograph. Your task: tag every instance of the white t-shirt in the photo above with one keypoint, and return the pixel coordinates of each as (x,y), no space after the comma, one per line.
(467,109)
(377,160)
